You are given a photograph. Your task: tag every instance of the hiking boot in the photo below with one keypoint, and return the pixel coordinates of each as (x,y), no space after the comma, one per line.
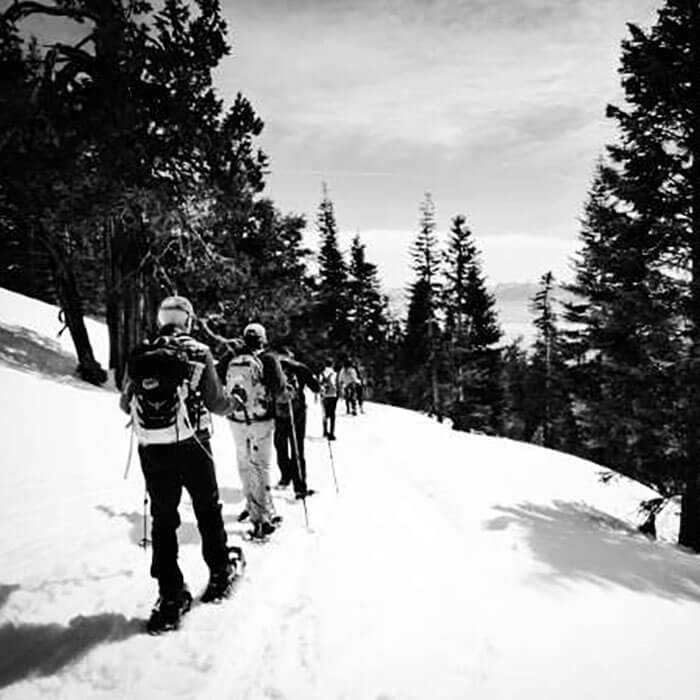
(282,484)
(331,437)
(168,611)
(243,516)
(220,585)
(261,531)
(276,520)
(303,494)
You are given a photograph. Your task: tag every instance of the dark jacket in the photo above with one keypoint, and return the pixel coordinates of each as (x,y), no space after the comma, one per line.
(207,395)
(304,378)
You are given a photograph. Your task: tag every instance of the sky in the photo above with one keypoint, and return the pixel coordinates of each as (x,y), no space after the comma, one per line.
(495,107)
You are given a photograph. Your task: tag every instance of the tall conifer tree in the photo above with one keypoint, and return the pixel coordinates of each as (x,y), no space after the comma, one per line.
(471,331)
(332,304)
(422,325)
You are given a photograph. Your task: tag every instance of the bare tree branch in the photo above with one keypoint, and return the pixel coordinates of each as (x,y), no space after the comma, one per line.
(26,8)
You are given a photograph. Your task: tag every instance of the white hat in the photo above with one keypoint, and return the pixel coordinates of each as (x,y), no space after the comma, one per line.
(175,310)
(257,331)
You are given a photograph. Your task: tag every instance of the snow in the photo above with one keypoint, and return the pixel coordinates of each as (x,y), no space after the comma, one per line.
(448,565)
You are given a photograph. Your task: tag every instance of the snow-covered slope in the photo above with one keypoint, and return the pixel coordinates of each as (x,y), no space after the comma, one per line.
(448,565)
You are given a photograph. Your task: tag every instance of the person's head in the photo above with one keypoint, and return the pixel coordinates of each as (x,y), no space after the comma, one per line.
(176,311)
(254,336)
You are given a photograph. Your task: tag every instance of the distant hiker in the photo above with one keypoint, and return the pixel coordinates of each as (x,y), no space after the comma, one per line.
(288,432)
(329,398)
(360,389)
(347,384)
(170,387)
(254,380)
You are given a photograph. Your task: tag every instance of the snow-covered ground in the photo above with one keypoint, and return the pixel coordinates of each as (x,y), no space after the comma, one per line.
(448,565)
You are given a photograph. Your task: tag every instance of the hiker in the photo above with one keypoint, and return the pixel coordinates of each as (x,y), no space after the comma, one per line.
(360,389)
(290,430)
(170,388)
(329,398)
(347,383)
(255,381)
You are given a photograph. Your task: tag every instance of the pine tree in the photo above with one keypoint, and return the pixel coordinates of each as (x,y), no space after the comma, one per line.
(626,346)
(332,297)
(367,313)
(423,333)
(549,414)
(471,331)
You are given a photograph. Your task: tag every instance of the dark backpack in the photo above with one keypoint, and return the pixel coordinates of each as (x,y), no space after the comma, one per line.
(160,373)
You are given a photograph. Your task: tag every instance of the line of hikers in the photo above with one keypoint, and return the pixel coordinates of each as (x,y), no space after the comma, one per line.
(172,385)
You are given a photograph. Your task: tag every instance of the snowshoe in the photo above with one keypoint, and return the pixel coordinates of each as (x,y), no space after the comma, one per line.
(261,532)
(220,585)
(221,582)
(168,611)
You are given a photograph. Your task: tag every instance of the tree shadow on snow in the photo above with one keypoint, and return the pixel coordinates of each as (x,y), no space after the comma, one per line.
(42,650)
(26,350)
(578,542)
(187,533)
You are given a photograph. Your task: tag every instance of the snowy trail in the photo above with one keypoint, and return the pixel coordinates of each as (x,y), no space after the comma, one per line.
(448,566)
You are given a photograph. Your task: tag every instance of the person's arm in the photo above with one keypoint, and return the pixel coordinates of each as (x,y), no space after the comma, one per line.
(126,394)
(212,391)
(308,378)
(304,374)
(273,376)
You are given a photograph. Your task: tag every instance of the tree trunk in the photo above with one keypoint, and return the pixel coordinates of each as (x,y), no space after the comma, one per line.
(689,535)
(131,297)
(71,304)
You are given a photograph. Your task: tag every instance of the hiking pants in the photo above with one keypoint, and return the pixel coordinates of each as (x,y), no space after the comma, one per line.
(253,451)
(329,404)
(291,469)
(167,468)
(350,402)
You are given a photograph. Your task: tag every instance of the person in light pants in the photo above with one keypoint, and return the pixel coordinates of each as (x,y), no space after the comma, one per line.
(255,381)
(253,453)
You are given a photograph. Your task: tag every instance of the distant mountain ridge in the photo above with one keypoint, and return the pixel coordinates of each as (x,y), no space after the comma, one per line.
(513,301)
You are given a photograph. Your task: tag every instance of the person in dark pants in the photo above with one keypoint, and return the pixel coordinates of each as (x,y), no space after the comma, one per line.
(329,398)
(290,426)
(170,464)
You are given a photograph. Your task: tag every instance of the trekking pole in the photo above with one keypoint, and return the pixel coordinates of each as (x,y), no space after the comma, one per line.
(130,424)
(295,445)
(144,540)
(335,478)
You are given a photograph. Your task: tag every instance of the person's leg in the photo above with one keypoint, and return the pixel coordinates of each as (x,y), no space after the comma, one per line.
(240,440)
(161,467)
(333,402)
(260,453)
(200,482)
(299,460)
(327,401)
(282,438)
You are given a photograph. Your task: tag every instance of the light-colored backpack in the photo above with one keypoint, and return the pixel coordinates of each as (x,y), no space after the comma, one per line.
(244,383)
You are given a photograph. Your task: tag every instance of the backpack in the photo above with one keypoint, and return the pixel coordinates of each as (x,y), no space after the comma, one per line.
(160,373)
(244,383)
(329,382)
